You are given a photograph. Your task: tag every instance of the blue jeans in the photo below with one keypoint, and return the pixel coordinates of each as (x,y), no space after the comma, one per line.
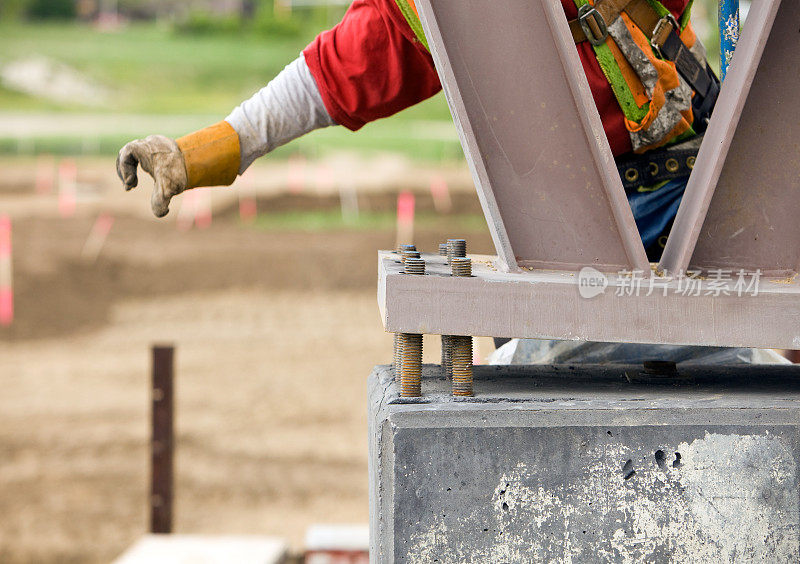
(654,209)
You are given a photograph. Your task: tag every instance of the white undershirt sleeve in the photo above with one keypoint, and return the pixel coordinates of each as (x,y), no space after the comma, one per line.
(287,108)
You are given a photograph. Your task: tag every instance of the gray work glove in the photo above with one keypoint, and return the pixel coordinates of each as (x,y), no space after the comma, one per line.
(161,158)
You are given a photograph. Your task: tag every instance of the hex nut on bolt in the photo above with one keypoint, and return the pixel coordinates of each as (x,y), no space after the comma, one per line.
(405,255)
(456,248)
(414,265)
(461,266)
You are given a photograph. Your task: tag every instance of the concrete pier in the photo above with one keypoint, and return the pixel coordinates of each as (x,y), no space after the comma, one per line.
(587,464)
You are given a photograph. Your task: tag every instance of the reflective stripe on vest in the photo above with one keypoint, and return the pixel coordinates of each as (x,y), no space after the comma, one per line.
(409,10)
(656,100)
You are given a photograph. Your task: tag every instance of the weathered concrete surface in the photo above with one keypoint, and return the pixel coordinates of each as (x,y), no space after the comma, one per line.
(587,464)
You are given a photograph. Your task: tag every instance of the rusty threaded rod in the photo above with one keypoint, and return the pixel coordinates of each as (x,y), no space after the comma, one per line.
(414,265)
(456,248)
(410,382)
(461,266)
(408,254)
(398,357)
(447,356)
(411,365)
(462,366)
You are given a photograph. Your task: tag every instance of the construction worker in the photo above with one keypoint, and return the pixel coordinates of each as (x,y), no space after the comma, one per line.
(376,62)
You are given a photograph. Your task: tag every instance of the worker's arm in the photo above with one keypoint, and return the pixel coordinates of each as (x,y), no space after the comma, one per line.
(288,107)
(367,67)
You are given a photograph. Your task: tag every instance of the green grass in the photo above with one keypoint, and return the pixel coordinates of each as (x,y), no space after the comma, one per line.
(153,70)
(332,220)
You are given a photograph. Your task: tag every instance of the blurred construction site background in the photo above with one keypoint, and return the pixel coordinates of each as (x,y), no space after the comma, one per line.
(267,288)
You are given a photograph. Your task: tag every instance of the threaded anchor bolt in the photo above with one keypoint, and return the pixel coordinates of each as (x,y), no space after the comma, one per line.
(408,254)
(443,249)
(411,365)
(398,357)
(461,266)
(447,356)
(401,248)
(462,366)
(414,265)
(456,248)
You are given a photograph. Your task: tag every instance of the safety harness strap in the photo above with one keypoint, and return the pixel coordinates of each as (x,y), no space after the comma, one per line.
(675,50)
(592,25)
(655,167)
(409,11)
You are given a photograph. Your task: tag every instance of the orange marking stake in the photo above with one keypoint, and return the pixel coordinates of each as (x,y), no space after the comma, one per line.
(297,174)
(248,209)
(45,174)
(67,187)
(348,199)
(325,179)
(202,216)
(441,194)
(405,217)
(187,211)
(6,273)
(97,237)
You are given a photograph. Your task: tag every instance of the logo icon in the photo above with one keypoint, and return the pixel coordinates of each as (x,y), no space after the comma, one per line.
(591,282)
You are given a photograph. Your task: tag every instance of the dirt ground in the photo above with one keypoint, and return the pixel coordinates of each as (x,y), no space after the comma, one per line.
(276,332)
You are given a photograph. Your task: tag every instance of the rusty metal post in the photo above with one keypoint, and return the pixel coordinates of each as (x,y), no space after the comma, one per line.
(161,446)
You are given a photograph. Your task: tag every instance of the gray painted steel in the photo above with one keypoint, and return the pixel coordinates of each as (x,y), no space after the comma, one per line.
(542,304)
(543,167)
(532,135)
(576,464)
(748,168)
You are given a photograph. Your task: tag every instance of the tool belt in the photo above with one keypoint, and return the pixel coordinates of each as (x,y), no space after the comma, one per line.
(592,25)
(657,166)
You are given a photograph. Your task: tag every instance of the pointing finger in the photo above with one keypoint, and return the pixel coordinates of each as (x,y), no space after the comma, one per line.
(127,163)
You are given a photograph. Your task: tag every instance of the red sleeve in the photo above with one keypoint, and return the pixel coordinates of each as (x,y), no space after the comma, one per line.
(370,65)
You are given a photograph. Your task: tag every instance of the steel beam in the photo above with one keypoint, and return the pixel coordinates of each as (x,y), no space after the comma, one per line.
(532,135)
(548,304)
